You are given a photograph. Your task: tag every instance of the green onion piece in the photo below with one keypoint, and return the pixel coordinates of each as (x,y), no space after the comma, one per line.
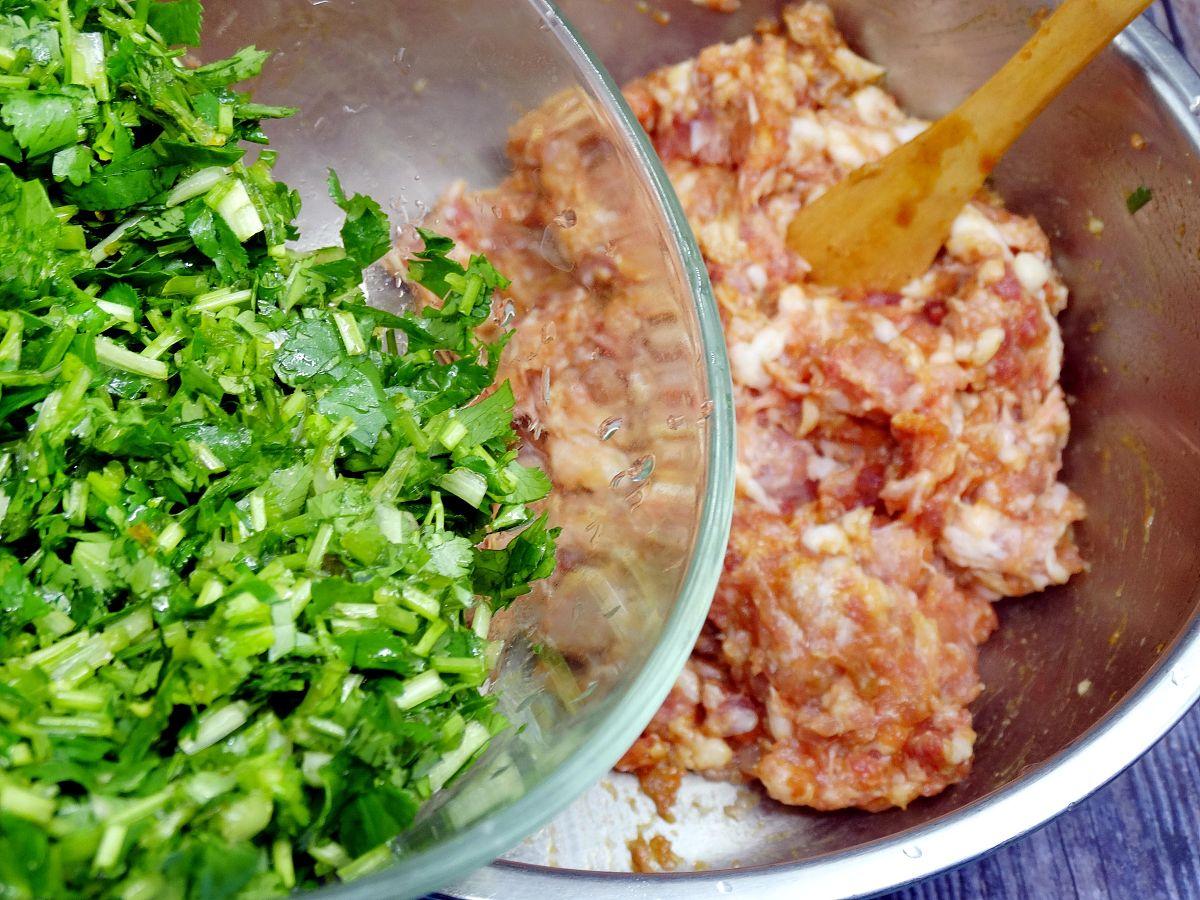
(332,854)
(452,434)
(108,245)
(483,620)
(419,601)
(399,619)
(245,817)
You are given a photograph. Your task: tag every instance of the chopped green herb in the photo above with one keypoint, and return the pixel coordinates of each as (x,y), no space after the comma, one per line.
(1138,198)
(244,591)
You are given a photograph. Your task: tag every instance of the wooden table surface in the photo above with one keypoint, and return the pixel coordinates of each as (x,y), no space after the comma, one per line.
(1137,838)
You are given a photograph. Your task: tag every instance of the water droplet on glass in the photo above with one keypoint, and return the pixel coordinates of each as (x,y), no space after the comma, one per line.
(609,427)
(566,219)
(399,57)
(1195,107)
(509,315)
(912,852)
(546,386)
(497,212)
(552,253)
(724,887)
(387,291)
(642,468)
(706,409)
(675,422)
(616,480)
(353,110)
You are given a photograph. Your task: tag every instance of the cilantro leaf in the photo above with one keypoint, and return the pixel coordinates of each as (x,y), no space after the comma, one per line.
(1138,198)
(73,164)
(123,184)
(365,233)
(240,531)
(29,238)
(177,21)
(40,122)
(357,395)
(19,603)
(246,63)
(215,240)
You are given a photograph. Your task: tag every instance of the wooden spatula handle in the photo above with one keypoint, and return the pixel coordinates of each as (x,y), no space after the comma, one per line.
(884,224)
(1067,41)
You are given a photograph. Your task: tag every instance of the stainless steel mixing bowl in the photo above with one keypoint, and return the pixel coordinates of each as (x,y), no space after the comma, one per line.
(1082,680)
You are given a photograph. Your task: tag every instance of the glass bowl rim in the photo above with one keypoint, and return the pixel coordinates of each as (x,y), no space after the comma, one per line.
(486,839)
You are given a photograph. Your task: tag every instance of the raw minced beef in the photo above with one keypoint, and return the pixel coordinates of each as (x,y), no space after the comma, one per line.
(898,453)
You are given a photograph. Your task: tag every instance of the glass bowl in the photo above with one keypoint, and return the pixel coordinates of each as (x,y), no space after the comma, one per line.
(403,100)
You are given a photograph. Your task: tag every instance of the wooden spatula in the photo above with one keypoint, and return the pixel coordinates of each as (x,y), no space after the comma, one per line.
(883,225)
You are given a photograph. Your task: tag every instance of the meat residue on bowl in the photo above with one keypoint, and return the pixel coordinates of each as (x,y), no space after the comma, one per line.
(898,453)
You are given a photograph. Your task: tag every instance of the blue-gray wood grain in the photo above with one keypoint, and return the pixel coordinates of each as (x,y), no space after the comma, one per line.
(1180,20)
(1139,837)
(1136,839)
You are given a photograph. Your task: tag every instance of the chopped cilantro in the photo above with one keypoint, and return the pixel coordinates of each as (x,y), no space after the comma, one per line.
(1138,198)
(244,585)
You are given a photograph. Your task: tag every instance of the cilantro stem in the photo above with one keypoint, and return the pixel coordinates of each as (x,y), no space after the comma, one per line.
(473,739)
(419,689)
(219,299)
(215,725)
(195,185)
(348,330)
(117,357)
(26,804)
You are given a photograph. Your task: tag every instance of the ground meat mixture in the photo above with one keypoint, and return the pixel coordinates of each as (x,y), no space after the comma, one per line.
(720,5)
(898,453)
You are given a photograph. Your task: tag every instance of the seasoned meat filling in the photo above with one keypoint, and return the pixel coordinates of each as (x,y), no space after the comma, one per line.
(898,453)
